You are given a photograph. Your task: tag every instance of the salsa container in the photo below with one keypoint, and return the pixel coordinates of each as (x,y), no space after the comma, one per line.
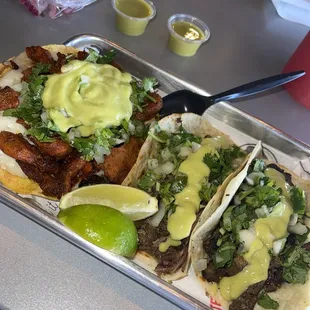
(243,128)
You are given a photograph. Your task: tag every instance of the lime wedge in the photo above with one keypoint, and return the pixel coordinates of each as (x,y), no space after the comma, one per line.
(103,226)
(136,204)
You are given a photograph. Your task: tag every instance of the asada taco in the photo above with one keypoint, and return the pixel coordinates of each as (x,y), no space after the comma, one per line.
(253,251)
(70,118)
(187,163)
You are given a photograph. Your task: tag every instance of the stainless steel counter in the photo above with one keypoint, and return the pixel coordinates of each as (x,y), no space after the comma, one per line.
(248,41)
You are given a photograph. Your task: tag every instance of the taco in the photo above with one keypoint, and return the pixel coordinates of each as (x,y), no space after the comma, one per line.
(186,164)
(253,252)
(70,118)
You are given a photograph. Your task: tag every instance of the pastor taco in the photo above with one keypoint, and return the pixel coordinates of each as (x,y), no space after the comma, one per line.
(253,252)
(187,164)
(70,117)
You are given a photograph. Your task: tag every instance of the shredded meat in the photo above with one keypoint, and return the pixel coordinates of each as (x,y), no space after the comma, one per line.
(212,274)
(117,165)
(8,98)
(14,65)
(39,54)
(82,55)
(57,148)
(151,109)
(149,239)
(275,276)
(248,299)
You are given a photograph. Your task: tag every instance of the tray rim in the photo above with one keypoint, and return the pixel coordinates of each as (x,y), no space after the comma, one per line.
(123,265)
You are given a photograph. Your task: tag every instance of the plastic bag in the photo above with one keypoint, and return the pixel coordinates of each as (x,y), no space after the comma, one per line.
(297,11)
(54,8)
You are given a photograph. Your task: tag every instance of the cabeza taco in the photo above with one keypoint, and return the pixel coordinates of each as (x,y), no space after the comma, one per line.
(70,117)
(187,165)
(253,251)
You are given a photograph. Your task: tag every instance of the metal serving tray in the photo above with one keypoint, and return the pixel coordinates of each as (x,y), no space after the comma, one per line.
(223,115)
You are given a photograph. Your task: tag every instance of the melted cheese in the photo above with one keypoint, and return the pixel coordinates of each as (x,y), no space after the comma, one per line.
(12,79)
(188,201)
(23,61)
(6,162)
(267,230)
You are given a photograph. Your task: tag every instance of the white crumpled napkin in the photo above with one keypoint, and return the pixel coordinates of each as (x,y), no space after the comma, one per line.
(297,11)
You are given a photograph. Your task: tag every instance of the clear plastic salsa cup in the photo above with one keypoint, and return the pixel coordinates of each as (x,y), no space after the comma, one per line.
(132,16)
(187,33)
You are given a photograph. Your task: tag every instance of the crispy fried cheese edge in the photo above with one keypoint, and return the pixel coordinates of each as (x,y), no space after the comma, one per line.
(15,183)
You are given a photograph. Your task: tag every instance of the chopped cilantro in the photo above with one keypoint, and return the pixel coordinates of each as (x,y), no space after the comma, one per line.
(42,134)
(140,90)
(95,57)
(31,107)
(267,302)
(224,255)
(207,191)
(298,199)
(296,263)
(148,180)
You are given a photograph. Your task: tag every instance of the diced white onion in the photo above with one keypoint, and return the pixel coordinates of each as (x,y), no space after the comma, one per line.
(237,201)
(247,238)
(119,141)
(64,112)
(298,229)
(201,264)
(165,168)
(44,117)
(125,136)
(131,127)
(254,177)
(195,146)
(262,211)
(152,163)
(84,79)
(278,246)
(71,135)
(293,219)
(249,181)
(157,217)
(185,151)
(165,154)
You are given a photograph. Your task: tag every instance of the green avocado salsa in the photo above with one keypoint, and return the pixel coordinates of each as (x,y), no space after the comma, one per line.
(90,104)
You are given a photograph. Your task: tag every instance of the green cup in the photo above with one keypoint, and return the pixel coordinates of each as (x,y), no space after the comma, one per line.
(129,19)
(186,46)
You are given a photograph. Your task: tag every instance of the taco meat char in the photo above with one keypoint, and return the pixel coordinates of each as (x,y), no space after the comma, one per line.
(70,116)
(253,252)
(8,98)
(188,163)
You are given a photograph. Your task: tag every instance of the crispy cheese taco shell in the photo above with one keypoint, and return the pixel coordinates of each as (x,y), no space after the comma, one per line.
(16,183)
(289,296)
(23,185)
(198,126)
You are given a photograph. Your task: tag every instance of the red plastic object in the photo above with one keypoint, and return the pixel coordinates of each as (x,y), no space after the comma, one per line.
(300,60)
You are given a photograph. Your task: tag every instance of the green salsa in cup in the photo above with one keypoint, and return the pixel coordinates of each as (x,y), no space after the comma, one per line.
(132,16)
(187,33)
